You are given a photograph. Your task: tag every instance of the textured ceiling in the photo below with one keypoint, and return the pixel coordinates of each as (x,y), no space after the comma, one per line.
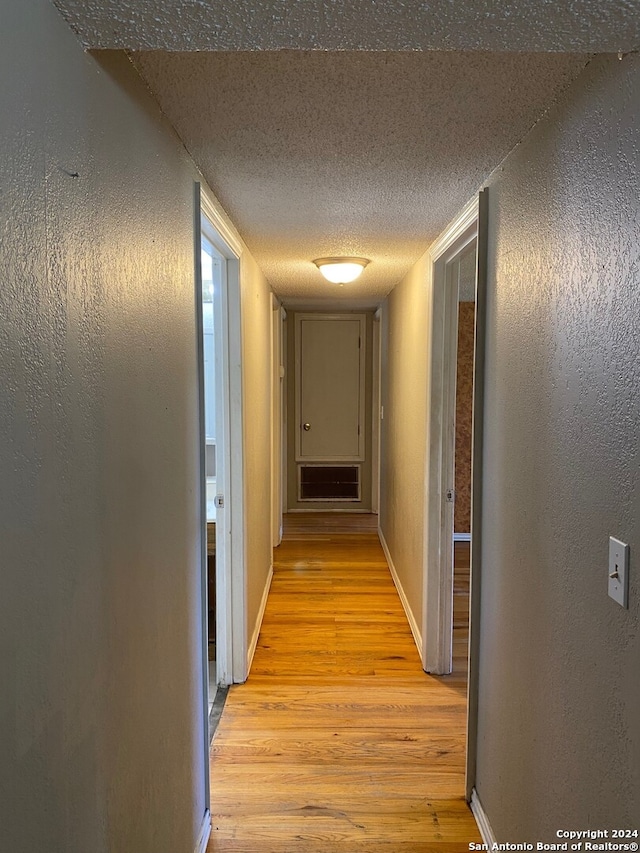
(351,127)
(590,26)
(316,154)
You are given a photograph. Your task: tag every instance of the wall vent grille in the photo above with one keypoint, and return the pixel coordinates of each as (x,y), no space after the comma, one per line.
(329,482)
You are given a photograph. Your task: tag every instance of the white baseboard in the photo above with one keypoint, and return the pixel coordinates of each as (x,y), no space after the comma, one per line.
(417,636)
(205,832)
(482,820)
(462,537)
(256,631)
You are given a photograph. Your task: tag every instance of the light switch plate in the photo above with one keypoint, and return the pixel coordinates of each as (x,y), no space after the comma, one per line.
(619,571)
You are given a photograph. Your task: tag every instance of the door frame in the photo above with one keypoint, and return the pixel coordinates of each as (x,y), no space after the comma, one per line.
(376,402)
(277,418)
(477,474)
(205,830)
(437,629)
(231,641)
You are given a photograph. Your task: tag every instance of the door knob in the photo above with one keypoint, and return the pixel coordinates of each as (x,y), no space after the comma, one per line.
(306,427)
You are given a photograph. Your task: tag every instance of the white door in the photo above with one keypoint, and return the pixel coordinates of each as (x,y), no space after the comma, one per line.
(330,387)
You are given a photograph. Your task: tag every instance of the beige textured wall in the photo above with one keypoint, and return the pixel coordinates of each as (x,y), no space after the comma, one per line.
(100,611)
(405,325)
(99,522)
(559,725)
(256,351)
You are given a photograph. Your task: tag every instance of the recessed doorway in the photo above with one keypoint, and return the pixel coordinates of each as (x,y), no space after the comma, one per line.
(450,431)
(214,272)
(454,462)
(218,252)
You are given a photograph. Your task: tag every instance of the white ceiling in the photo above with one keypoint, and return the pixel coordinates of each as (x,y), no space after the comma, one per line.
(351,152)
(315,154)
(584,26)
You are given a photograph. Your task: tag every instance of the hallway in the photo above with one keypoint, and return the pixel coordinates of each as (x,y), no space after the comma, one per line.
(339,741)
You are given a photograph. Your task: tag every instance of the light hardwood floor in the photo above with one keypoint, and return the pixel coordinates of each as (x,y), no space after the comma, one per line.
(339,741)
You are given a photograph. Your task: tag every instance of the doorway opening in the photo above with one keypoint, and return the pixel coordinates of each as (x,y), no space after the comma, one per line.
(460,277)
(449,484)
(218,254)
(214,273)
(329,422)
(454,458)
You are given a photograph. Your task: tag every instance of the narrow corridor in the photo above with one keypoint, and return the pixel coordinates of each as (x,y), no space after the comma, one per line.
(339,740)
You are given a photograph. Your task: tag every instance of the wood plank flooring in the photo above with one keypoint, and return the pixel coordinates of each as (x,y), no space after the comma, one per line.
(339,741)
(461,586)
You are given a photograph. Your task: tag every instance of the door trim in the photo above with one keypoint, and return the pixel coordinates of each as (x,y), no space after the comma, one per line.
(204,834)
(438,542)
(231,640)
(277,405)
(477,474)
(376,400)
(202,489)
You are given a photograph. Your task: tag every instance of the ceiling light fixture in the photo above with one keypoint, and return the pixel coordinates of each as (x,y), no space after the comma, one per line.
(341,270)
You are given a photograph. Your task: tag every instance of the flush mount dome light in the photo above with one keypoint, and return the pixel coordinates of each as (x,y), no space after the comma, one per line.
(341,270)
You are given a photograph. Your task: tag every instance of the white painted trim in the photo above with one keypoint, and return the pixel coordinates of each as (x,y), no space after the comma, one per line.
(230,522)
(375,412)
(462,537)
(224,619)
(202,521)
(238,529)
(464,220)
(438,539)
(256,631)
(284,491)
(447,464)
(218,218)
(482,820)
(477,463)
(205,832)
(413,624)
(276,421)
